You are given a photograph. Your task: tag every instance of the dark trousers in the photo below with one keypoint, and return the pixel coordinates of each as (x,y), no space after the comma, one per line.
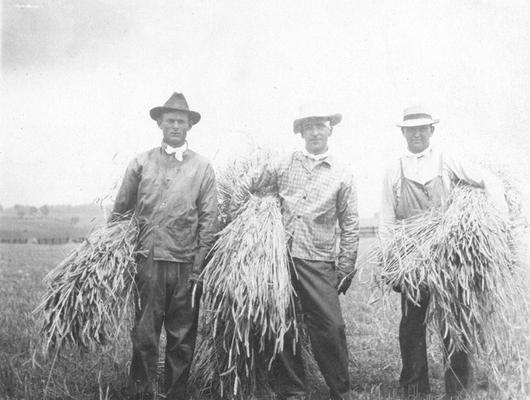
(412,340)
(317,294)
(164,296)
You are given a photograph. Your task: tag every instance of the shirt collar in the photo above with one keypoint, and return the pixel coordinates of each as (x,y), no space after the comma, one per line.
(326,157)
(425,153)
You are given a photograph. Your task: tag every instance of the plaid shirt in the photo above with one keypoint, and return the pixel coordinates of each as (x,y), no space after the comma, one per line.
(175,202)
(316,196)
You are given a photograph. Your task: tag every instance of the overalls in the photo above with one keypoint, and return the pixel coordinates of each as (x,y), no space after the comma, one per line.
(416,198)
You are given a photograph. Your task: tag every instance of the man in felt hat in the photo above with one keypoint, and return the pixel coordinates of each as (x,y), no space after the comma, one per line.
(319,208)
(419,180)
(172,191)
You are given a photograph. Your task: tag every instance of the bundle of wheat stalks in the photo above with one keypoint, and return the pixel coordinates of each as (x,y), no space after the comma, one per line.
(88,294)
(239,178)
(464,255)
(248,304)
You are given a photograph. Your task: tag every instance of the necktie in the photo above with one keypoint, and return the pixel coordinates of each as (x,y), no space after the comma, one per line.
(177,152)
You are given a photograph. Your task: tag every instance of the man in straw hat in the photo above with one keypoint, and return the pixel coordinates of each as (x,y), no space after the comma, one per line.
(172,191)
(418,181)
(317,194)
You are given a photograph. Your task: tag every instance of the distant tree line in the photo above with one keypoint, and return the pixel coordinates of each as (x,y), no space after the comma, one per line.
(71,214)
(21,211)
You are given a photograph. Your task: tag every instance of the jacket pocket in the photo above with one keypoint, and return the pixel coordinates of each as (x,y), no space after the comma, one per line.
(324,239)
(181,232)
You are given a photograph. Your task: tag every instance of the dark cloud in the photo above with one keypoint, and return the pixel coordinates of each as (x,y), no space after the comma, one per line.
(50,32)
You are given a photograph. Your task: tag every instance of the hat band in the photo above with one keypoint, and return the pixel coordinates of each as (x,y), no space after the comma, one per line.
(416,116)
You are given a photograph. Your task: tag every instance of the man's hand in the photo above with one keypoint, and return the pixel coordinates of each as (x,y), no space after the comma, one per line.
(195,284)
(344,281)
(198,264)
(195,278)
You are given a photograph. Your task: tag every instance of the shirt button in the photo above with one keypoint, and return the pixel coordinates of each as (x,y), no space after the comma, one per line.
(305,197)
(298,216)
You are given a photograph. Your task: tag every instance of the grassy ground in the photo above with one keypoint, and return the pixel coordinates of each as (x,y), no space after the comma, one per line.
(57,224)
(371,323)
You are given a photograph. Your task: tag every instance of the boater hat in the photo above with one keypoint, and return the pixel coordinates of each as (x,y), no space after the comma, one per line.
(177,102)
(317,111)
(417,116)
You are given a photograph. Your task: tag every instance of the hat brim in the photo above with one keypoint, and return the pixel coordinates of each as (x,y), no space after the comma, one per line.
(155,113)
(333,119)
(417,122)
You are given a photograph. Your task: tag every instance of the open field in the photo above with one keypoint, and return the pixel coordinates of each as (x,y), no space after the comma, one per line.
(60,222)
(40,227)
(372,326)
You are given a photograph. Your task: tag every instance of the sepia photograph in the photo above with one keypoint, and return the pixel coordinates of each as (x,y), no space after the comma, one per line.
(268,200)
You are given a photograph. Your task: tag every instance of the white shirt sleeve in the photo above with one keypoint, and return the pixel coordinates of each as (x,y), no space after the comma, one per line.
(387,213)
(474,175)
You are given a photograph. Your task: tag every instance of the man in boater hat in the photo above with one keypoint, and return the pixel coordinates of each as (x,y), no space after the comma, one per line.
(319,208)
(172,191)
(419,180)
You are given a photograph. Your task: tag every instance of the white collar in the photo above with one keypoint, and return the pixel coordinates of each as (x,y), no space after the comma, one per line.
(427,152)
(177,152)
(315,157)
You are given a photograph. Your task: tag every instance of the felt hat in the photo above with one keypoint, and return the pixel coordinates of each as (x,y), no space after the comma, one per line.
(177,102)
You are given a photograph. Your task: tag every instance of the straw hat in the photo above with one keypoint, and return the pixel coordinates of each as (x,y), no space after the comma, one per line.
(417,116)
(177,102)
(315,110)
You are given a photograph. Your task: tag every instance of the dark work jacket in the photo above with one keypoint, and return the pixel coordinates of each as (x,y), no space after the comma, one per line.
(175,202)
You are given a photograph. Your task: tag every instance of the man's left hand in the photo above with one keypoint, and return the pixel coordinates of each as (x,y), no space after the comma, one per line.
(198,263)
(195,278)
(344,282)
(195,282)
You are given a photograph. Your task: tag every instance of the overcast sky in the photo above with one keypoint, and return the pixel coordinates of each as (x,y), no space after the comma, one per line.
(79,78)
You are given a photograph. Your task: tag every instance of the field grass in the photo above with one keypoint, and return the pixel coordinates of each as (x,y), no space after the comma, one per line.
(40,227)
(371,323)
(57,224)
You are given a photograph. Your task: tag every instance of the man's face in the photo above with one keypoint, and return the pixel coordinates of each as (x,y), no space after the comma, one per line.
(315,132)
(175,126)
(418,137)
